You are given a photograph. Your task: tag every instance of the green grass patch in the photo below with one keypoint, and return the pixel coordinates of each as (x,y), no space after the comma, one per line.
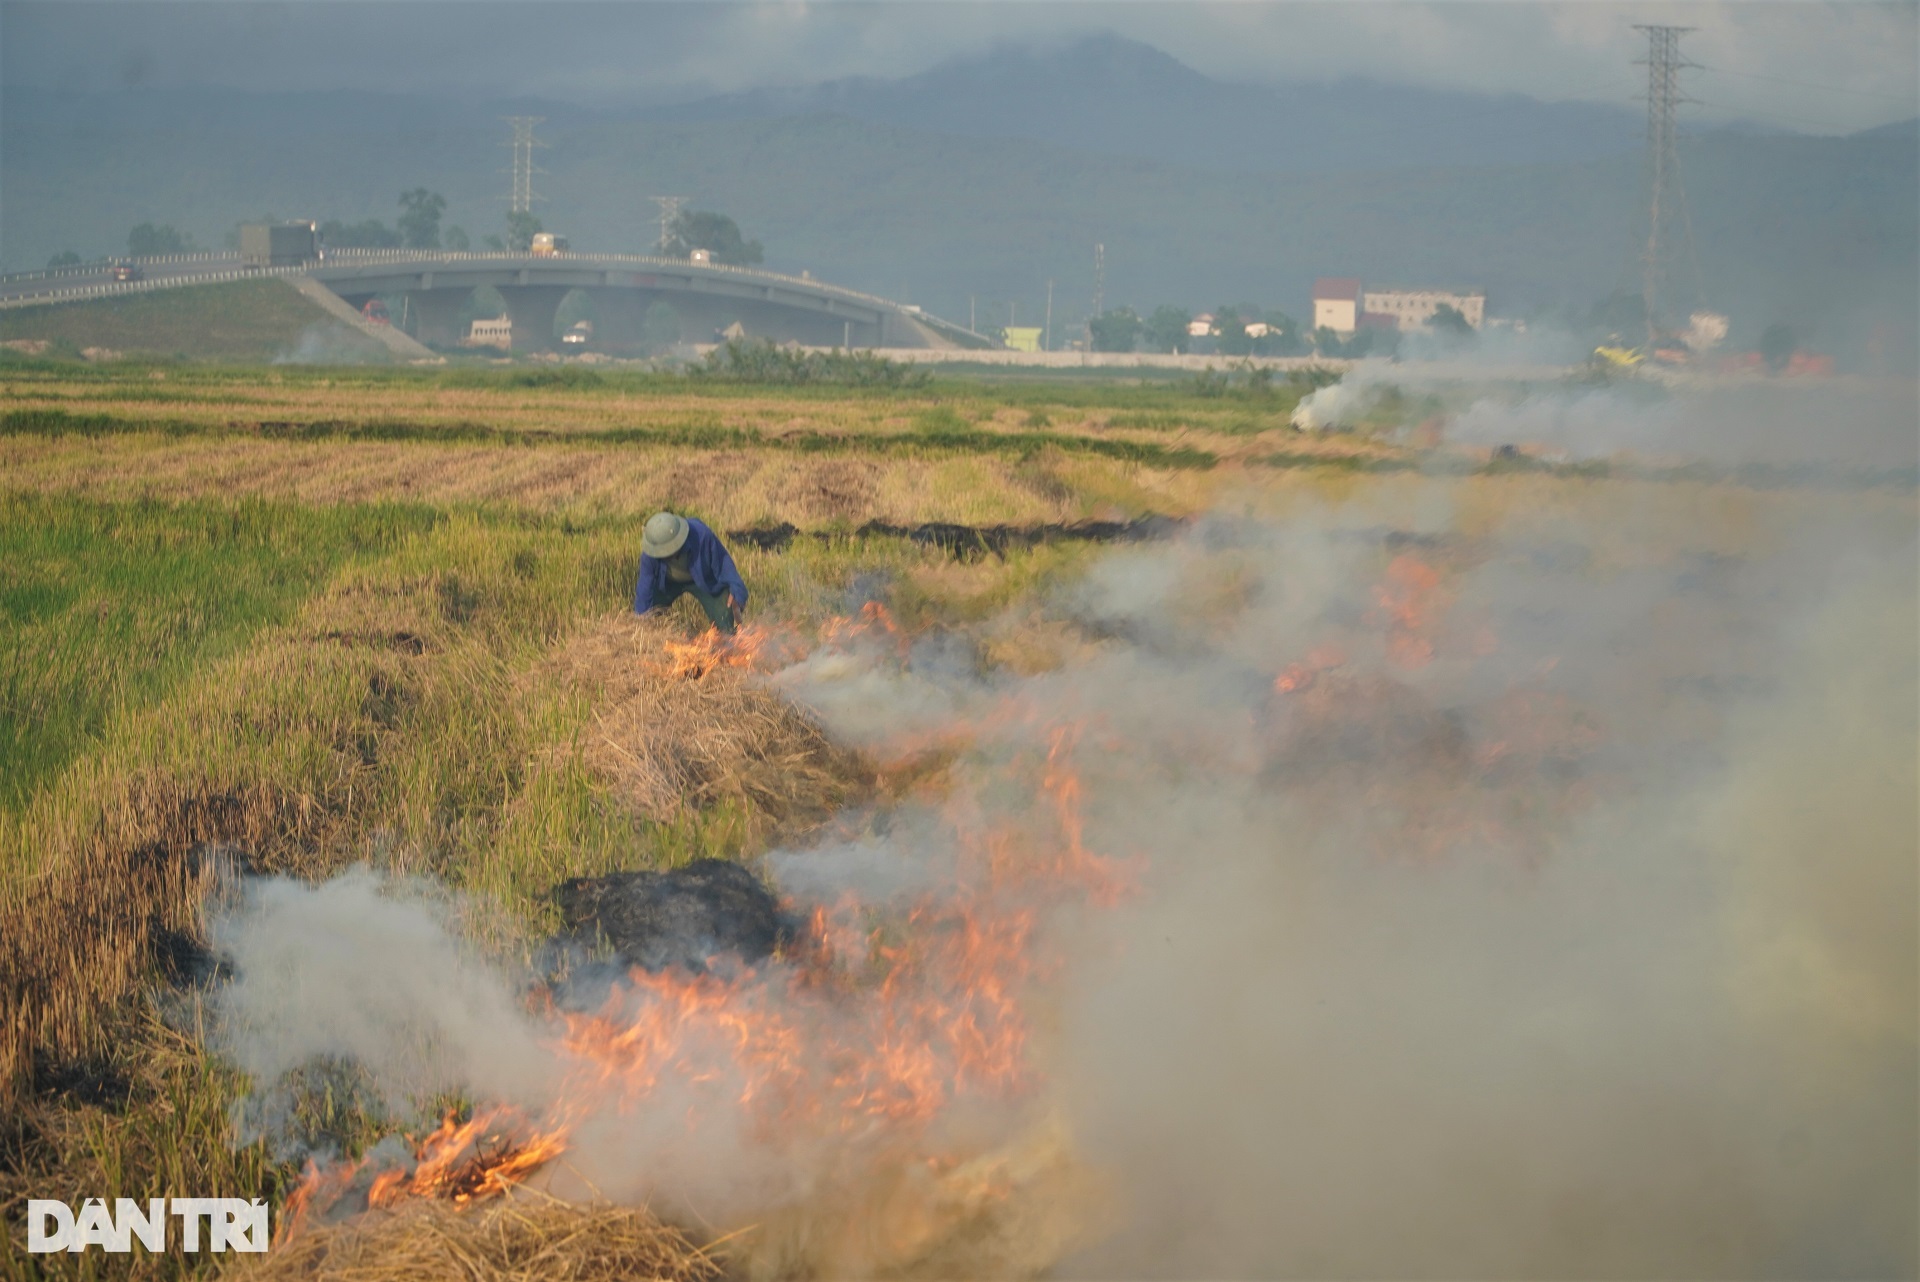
(765,364)
(940,430)
(1151,420)
(565,377)
(460,756)
(1338,462)
(106,605)
(248,320)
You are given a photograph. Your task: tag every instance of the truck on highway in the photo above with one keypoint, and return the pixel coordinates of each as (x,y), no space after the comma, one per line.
(279,244)
(547,244)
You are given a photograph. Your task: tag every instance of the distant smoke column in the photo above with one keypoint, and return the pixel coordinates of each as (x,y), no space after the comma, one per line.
(1667,201)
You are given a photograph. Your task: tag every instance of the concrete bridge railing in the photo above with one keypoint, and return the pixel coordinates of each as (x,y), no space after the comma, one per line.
(432,277)
(110,288)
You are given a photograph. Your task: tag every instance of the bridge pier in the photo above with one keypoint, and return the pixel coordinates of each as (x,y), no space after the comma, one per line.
(532,309)
(436,315)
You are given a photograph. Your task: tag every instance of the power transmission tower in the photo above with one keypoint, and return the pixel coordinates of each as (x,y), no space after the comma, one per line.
(1669,227)
(669,210)
(523,143)
(1099,278)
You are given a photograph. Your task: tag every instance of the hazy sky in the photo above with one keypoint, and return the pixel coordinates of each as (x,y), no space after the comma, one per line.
(1816,67)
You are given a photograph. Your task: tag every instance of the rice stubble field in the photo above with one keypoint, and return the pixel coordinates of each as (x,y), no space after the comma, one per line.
(289,623)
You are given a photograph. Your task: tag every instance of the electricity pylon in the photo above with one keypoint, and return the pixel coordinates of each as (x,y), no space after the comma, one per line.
(669,210)
(1669,227)
(523,142)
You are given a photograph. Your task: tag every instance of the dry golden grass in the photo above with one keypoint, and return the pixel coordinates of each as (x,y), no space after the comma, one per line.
(1011,1212)
(469,709)
(243,405)
(446,708)
(1186,429)
(730,488)
(671,742)
(125,888)
(528,1238)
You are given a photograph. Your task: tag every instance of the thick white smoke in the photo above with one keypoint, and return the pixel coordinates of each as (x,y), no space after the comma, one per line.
(1344,405)
(1570,932)
(1675,1038)
(1861,425)
(371,971)
(1527,888)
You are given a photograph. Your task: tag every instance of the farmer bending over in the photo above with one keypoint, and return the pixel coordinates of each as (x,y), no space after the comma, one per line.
(679,555)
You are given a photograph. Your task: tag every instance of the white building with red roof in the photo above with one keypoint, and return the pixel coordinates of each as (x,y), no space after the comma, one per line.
(1342,305)
(1337,303)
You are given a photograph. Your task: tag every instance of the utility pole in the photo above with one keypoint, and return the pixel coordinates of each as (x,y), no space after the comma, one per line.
(970,324)
(1046,332)
(523,143)
(1099,279)
(1667,218)
(669,211)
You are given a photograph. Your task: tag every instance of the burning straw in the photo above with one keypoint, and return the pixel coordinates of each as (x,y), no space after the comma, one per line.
(528,1238)
(682,725)
(870,1095)
(1377,892)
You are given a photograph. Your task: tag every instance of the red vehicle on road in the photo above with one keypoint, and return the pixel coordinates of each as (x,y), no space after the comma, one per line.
(127,271)
(376,312)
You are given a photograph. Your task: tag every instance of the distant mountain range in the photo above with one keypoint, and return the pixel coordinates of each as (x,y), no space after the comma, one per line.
(1102,94)
(977,183)
(1121,98)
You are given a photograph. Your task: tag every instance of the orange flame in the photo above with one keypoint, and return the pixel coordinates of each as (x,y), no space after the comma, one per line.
(874,622)
(880,1018)
(752,647)
(1298,676)
(1412,600)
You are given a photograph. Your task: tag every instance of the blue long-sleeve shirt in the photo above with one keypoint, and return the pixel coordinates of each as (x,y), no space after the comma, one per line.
(707,558)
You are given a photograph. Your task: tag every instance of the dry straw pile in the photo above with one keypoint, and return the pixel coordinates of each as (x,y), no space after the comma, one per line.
(677,737)
(529,1237)
(77,940)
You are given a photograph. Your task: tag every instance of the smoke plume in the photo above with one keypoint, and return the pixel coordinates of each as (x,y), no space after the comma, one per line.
(1493,878)
(1863,424)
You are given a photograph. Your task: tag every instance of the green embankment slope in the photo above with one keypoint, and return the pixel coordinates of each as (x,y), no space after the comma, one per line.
(249,320)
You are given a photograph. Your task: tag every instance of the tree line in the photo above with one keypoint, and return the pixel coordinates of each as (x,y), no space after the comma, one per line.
(419,225)
(1246,329)
(1235,329)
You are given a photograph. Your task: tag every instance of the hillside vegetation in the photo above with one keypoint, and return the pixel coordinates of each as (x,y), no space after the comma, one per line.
(249,320)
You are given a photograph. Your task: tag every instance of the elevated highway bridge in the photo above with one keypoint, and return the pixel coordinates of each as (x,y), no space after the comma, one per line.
(707,298)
